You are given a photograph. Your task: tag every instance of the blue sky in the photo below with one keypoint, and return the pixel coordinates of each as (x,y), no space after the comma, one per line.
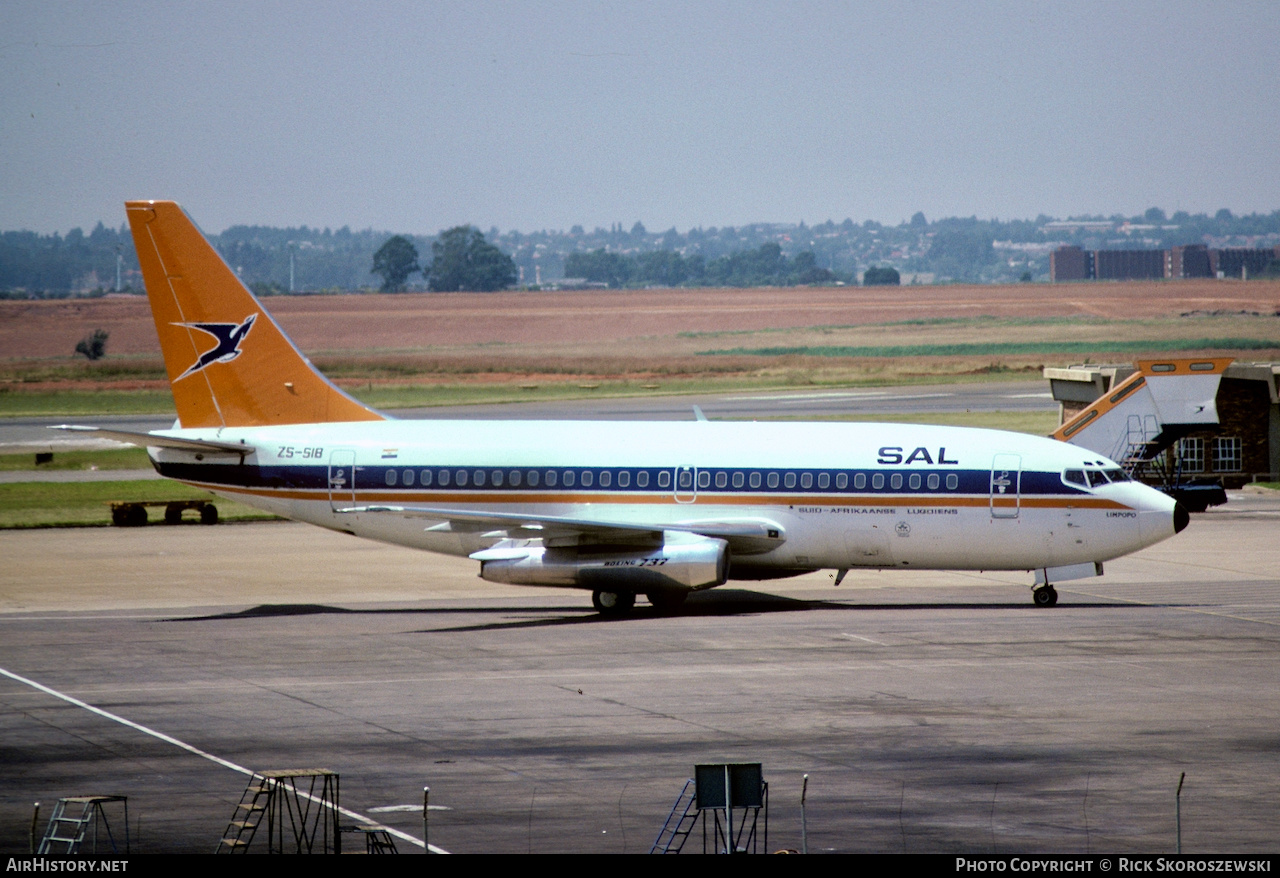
(418,116)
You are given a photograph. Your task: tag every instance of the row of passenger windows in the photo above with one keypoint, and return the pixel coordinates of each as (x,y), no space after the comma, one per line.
(684,479)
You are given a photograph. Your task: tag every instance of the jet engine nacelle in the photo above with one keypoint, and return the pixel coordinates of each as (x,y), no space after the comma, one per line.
(681,562)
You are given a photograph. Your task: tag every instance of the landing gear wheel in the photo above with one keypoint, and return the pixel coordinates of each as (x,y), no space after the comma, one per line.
(667,601)
(208,514)
(1044,596)
(613,603)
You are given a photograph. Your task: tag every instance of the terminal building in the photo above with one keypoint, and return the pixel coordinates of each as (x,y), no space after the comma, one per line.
(1192,260)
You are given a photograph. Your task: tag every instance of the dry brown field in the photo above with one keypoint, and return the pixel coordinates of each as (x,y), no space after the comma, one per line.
(501,336)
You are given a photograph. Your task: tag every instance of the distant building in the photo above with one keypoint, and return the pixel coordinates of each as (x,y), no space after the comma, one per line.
(1128,264)
(1192,260)
(1240,262)
(1070,263)
(1189,261)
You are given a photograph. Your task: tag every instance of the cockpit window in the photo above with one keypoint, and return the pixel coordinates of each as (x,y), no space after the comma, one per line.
(1075,477)
(1117,475)
(1096,478)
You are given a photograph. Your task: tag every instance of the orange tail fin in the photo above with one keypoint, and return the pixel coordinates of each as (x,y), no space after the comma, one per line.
(229,364)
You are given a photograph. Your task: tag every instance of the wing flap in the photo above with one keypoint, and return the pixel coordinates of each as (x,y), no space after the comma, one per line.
(745,536)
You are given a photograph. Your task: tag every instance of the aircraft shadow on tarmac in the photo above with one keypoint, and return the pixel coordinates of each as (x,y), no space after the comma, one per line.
(721,602)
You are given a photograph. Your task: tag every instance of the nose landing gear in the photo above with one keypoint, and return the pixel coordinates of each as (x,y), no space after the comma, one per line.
(1044,596)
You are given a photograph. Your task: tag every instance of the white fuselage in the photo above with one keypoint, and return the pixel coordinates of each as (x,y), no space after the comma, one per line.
(840,495)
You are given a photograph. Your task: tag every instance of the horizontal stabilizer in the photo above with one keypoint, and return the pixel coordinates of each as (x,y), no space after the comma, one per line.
(155,440)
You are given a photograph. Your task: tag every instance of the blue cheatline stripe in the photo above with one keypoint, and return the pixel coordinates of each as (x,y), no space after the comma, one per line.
(619,480)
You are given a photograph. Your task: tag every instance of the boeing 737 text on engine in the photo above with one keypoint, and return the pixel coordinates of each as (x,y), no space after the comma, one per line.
(617,508)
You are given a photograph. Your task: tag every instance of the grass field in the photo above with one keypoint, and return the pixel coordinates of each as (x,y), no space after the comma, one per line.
(105,459)
(71,504)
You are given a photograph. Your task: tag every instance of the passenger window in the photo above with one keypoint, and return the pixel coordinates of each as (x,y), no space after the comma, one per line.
(624,479)
(479,474)
(495,478)
(790,480)
(738,480)
(773,480)
(551,478)
(895,481)
(606,478)
(953,482)
(664,479)
(642,479)
(722,479)
(933,481)
(587,478)
(568,478)
(877,481)
(755,480)
(407,476)
(390,477)
(806,480)
(514,478)
(704,479)
(915,481)
(842,481)
(686,479)
(444,477)
(425,477)
(460,477)
(824,480)
(533,478)
(860,481)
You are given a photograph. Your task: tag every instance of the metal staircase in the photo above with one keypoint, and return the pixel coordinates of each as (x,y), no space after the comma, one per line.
(303,799)
(249,813)
(72,819)
(680,822)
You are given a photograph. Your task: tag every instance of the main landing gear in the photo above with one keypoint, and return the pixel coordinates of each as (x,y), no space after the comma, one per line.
(613,603)
(1044,596)
(619,603)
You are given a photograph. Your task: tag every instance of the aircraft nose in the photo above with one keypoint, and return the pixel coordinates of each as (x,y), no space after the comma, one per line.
(1181,518)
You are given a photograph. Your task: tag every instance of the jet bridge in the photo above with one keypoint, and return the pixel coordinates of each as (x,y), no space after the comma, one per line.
(1135,421)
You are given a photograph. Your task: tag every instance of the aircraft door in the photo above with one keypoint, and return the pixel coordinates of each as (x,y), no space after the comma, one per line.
(1006,478)
(686,484)
(342,479)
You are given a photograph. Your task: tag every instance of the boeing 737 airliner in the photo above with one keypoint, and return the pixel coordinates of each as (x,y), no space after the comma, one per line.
(621,508)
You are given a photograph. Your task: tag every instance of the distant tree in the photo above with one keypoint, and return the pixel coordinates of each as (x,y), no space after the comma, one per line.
(1026,277)
(881,277)
(918,221)
(93,345)
(1154,215)
(394,262)
(600,266)
(461,259)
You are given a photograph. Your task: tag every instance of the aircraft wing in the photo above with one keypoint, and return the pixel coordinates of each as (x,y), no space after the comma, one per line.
(152,440)
(745,536)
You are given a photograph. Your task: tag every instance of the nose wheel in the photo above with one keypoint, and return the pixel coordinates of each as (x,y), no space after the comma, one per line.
(1044,596)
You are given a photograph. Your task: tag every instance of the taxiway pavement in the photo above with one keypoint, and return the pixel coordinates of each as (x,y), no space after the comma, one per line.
(936,712)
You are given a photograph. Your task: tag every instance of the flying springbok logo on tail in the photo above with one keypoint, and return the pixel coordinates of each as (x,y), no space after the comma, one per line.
(229,337)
